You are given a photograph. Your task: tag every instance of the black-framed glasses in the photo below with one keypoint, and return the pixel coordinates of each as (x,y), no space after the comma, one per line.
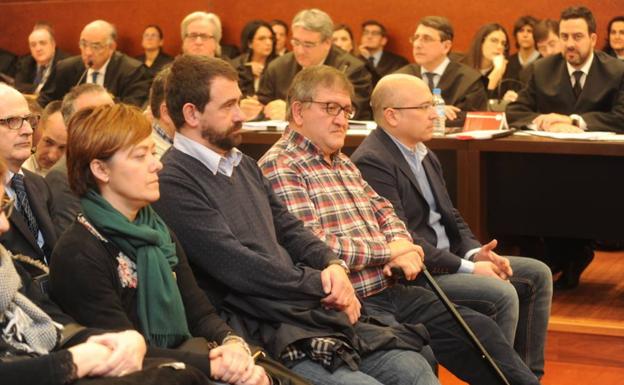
(333,108)
(95,47)
(7,206)
(304,44)
(16,122)
(422,107)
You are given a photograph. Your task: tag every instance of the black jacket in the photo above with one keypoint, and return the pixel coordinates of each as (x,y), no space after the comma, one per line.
(27,70)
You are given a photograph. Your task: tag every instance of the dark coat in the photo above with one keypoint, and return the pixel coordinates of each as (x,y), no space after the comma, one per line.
(126,78)
(19,239)
(383,166)
(161,60)
(600,104)
(279,74)
(27,71)
(389,63)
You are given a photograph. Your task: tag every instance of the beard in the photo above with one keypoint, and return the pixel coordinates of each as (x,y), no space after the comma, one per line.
(574,56)
(224,140)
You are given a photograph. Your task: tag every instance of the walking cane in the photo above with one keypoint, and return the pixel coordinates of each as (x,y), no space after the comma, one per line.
(397,272)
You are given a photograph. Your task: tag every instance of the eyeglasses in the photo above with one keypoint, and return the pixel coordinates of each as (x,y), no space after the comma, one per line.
(7,206)
(16,122)
(95,47)
(304,44)
(371,32)
(201,36)
(422,107)
(425,39)
(333,108)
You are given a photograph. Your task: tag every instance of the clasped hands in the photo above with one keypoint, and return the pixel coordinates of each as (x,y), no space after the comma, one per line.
(232,364)
(489,263)
(555,123)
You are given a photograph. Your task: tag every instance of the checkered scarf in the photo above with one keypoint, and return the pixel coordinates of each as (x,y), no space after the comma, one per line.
(23,325)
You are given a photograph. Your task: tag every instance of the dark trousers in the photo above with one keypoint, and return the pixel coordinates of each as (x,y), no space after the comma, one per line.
(450,344)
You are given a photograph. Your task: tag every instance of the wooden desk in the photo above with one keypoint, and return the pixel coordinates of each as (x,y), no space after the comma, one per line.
(523,185)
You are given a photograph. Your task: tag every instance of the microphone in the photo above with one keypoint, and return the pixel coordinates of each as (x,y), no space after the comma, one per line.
(89,65)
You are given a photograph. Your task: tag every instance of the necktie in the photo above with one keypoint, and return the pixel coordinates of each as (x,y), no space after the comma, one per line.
(39,75)
(577,83)
(94,76)
(371,61)
(17,183)
(430,77)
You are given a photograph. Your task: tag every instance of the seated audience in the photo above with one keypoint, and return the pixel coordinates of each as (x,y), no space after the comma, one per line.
(281,284)
(342,37)
(153,57)
(258,45)
(33,70)
(201,34)
(527,54)
(311,40)
(462,87)
(396,163)
(42,345)
(118,266)
(99,63)
(324,189)
(581,89)
(32,232)
(488,54)
(51,146)
(546,37)
(372,50)
(614,44)
(35,108)
(163,129)
(280,30)
(66,204)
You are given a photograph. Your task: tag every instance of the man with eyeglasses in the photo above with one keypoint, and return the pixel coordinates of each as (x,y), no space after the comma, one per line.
(325,190)
(32,231)
(124,77)
(372,50)
(514,291)
(462,87)
(201,34)
(312,31)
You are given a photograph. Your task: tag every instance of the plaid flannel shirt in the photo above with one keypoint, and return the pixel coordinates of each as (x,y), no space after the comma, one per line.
(337,205)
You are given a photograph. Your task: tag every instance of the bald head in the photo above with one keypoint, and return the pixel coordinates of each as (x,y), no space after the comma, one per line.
(390,99)
(101,26)
(97,43)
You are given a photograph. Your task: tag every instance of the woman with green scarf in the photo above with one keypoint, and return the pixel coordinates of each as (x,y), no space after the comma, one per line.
(118,266)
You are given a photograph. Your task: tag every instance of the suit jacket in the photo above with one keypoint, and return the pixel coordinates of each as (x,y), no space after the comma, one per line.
(279,74)
(600,104)
(388,63)
(66,202)
(19,239)
(383,166)
(126,78)
(7,63)
(162,59)
(461,86)
(27,70)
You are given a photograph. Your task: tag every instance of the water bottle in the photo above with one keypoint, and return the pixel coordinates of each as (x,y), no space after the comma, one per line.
(439,126)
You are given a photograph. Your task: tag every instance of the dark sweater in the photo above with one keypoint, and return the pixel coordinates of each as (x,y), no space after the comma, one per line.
(237,232)
(85,283)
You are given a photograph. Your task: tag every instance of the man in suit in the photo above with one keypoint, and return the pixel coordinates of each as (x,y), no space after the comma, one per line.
(581,89)
(372,44)
(67,204)
(99,62)
(312,45)
(33,70)
(32,232)
(51,146)
(393,159)
(462,87)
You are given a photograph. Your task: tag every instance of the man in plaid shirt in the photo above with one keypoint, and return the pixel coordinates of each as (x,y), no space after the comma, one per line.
(322,187)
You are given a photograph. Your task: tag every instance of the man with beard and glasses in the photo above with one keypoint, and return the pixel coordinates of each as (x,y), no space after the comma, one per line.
(276,282)
(581,89)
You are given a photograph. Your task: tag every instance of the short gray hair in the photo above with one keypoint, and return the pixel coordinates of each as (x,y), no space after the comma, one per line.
(67,106)
(112,31)
(315,20)
(209,17)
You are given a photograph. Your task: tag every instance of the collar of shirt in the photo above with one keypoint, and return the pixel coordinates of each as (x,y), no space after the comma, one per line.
(308,147)
(530,60)
(584,69)
(101,72)
(34,166)
(160,132)
(7,183)
(439,70)
(419,152)
(213,161)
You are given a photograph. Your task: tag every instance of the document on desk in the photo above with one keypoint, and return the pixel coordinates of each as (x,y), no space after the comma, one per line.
(266,125)
(586,135)
(481,134)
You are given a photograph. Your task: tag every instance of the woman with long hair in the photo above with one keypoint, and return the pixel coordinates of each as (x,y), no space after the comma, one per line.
(153,56)
(614,44)
(258,46)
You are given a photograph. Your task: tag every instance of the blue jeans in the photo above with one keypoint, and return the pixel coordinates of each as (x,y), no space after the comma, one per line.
(389,367)
(521,309)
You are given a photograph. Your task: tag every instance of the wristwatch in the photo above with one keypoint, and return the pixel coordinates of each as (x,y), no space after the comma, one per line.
(340,263)
(576,120)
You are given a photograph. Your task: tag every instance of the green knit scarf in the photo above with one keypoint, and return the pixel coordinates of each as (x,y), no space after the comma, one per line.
(147,242)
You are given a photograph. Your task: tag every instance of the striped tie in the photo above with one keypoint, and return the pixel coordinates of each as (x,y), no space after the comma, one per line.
(17,183)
